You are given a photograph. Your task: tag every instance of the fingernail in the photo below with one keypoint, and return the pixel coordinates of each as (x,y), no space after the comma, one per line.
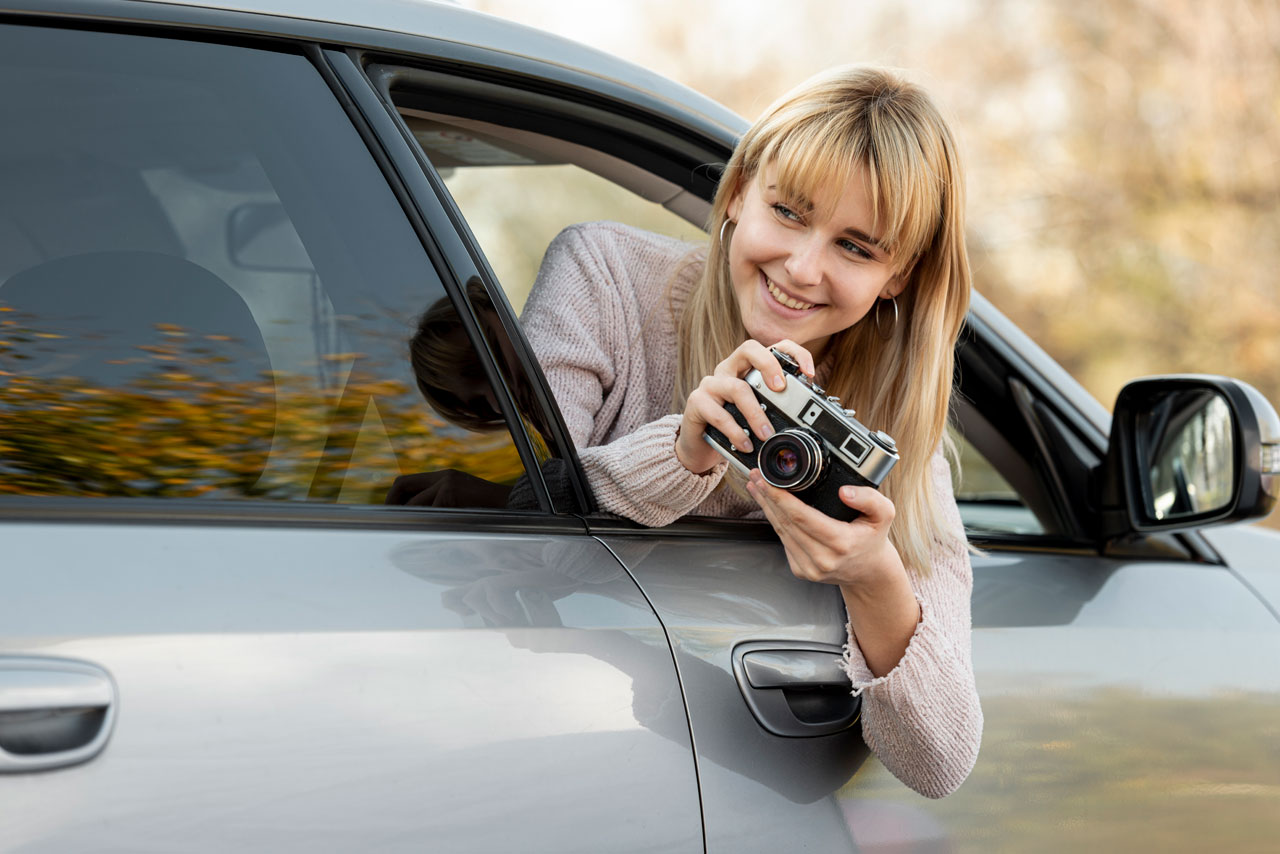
(745,446)
(765,431)
(846,491)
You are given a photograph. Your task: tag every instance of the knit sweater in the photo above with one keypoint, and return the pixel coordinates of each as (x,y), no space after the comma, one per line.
(600,321)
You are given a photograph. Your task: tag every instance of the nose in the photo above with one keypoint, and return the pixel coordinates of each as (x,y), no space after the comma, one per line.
(804,263)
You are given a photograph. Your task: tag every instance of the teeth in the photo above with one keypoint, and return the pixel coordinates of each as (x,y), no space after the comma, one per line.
(784,299)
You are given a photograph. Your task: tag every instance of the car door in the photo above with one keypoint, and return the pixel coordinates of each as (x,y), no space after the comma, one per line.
(287,562)
(521,161)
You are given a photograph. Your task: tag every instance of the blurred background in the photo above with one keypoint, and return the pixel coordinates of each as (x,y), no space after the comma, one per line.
(1122,157)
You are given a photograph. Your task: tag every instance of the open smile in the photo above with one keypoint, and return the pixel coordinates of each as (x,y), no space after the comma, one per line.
(784,299)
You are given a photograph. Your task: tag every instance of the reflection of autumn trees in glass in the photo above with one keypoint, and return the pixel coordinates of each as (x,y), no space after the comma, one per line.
(178,426)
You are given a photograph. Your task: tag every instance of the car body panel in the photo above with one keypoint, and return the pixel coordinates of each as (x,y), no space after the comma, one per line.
(759,791)
(350,690)
(1128,706)
(450,22)
(1253,553)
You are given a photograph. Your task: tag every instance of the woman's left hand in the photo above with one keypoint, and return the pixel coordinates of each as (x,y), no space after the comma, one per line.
(858,556)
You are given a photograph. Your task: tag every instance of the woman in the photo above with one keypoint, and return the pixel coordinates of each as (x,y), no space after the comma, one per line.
(839,238)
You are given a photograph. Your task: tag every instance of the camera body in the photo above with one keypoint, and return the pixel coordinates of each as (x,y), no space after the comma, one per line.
(817,446)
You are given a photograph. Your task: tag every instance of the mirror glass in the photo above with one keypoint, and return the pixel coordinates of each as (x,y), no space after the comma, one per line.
(1187,442)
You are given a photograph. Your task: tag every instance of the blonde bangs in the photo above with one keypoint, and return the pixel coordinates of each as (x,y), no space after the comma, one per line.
(815,153)
(905,189)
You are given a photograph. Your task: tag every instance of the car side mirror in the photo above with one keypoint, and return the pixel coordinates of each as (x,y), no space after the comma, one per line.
(1189,451)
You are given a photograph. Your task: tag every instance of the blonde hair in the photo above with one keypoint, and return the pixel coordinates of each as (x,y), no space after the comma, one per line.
(821,134)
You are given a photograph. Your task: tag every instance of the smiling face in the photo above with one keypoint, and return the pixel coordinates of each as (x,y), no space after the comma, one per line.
(806,269)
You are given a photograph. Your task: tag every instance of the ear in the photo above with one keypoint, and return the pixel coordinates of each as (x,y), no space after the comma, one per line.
(734,210)
(896,285)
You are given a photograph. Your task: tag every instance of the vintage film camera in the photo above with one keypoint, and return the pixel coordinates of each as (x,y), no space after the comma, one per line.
(817,447)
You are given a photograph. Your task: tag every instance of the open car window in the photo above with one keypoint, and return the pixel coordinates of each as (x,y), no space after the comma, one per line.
(518,189)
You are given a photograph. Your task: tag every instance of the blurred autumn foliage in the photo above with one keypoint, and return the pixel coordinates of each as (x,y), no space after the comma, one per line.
(179,427)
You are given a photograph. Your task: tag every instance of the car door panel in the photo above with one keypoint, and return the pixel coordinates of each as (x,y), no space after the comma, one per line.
(1127,706)
(760,791)
(350,690)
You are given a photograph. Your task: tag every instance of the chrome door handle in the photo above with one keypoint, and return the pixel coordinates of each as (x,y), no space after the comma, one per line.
(54,712)
(796,688)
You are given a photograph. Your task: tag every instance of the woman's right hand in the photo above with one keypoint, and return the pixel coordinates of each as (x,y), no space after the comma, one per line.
(726,385)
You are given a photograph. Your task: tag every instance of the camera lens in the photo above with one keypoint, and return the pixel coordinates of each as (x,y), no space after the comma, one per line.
(785,461)
(791,459)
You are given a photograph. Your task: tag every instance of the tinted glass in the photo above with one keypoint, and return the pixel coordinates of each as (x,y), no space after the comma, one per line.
(208,290)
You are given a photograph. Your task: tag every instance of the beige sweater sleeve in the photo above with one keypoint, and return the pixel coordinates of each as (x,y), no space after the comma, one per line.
(923,719)
(584,322)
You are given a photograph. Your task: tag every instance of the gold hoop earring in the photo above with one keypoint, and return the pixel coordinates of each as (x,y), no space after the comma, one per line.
(880,331)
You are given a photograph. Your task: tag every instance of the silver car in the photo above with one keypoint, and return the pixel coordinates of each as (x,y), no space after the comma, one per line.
(274,578)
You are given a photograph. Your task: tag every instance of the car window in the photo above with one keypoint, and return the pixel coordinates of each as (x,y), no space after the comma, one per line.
(518,189)
(988,502)
(207,289)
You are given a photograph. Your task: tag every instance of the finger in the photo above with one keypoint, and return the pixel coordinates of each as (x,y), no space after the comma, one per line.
(742,396)
(800,354)
(426,497)
(406,486)
(816,531)
(799,556)
(875,507)
(733,390)
(751,354)
(765,362)
(706,408)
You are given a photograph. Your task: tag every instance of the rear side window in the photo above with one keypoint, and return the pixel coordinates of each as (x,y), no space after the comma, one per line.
(519,189)
(208,290)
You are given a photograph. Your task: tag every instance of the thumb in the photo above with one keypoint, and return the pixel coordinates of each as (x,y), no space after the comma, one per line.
(870,502)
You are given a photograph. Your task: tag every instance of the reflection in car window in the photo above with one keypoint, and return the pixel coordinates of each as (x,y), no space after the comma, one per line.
(208,290)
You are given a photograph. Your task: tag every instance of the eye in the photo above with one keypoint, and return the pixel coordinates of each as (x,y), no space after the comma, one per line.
(785,212)
(853,248)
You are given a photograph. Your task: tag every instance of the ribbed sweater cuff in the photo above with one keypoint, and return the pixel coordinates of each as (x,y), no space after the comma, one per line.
(638,476)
